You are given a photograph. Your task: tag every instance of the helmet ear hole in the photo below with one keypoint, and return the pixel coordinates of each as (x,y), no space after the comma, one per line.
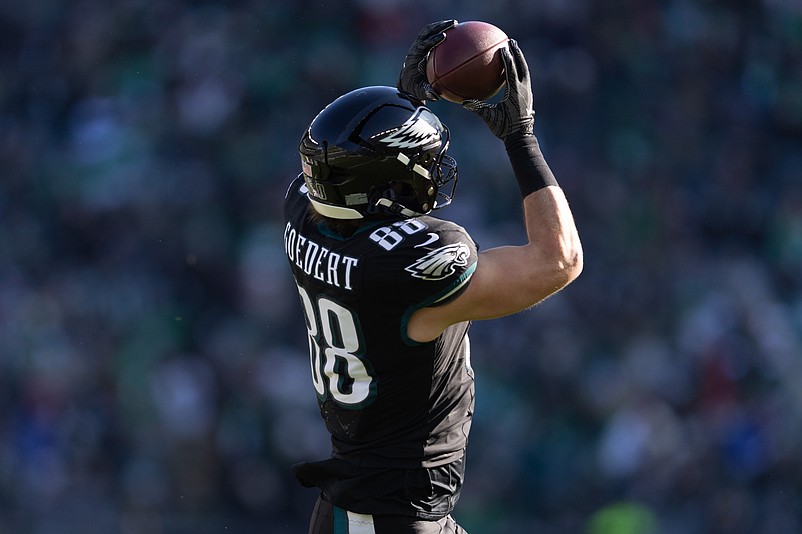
(402,189)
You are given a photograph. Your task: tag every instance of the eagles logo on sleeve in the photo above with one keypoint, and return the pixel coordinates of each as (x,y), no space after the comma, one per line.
(440,263)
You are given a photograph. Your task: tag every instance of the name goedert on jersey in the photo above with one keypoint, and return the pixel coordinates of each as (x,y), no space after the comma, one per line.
(318,261)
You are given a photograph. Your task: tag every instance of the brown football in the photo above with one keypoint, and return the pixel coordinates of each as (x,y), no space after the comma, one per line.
(467,64)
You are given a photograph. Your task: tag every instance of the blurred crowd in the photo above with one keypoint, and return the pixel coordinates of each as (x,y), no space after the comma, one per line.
(153,362)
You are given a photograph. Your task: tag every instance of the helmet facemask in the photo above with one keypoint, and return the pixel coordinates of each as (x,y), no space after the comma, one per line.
(428,173)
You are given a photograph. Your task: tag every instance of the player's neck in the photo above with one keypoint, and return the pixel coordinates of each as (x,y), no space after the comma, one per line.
(342,227)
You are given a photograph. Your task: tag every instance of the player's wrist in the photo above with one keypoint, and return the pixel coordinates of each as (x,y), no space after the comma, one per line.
(528,164)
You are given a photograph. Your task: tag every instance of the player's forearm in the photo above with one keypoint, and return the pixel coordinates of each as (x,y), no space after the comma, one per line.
(553,237)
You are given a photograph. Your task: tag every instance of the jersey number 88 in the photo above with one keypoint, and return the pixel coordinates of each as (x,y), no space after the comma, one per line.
(335,346)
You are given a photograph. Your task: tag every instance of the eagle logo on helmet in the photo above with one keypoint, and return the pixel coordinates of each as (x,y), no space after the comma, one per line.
(417,131)
(441,262)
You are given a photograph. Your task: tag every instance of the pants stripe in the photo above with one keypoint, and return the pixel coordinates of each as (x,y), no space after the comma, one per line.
(346,522)
(360,523)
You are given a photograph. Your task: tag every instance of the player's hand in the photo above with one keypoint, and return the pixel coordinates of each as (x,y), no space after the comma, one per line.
(514,112)
(413,73)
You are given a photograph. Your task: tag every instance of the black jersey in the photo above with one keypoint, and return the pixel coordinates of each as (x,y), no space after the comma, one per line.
(388,401)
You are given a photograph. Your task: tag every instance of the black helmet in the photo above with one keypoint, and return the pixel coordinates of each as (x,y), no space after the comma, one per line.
(376,150)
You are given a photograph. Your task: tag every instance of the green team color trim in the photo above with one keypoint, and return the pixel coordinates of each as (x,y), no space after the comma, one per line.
(340,520)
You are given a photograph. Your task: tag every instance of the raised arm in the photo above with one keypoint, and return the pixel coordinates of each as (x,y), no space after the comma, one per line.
(510,279)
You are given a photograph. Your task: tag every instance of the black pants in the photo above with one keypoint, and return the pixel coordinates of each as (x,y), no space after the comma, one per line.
(329,519)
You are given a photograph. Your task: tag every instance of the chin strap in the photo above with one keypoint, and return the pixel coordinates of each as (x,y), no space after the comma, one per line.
(396,208)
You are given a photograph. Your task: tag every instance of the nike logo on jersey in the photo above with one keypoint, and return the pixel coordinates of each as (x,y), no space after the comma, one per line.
(416,131)
(440,263)
(432,238)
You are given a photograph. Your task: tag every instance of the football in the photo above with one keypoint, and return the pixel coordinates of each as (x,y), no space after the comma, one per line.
(467,64)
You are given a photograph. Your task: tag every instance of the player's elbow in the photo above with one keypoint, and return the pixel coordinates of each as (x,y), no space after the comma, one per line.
(566,266)
(570,265)
(563,264)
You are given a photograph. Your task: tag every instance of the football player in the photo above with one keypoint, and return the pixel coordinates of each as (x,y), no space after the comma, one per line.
(389,291)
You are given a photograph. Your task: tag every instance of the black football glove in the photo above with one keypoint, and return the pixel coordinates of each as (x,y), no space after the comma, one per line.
(514,113)
(413,74)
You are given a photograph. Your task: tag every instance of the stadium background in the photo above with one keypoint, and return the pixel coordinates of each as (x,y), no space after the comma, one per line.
(153,373)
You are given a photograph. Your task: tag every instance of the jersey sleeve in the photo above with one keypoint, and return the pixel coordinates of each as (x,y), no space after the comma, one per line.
(433,268)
